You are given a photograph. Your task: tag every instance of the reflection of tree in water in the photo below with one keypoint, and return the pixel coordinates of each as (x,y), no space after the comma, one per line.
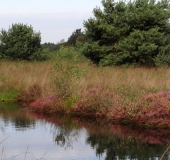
(117,147)
(121,142)
(65,132)
(20,119)
(22,123)
(65,137)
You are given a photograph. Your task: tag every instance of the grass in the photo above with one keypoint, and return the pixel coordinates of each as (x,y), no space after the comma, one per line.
(130,82)
(83,88)
(20,76)
(8,95)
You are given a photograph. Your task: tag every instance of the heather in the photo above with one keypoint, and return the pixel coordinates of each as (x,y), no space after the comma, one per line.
(72,85)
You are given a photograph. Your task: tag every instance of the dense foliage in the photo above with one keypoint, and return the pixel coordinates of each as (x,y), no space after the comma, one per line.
(137,32)
(50,46)
(76,36)
(20,42)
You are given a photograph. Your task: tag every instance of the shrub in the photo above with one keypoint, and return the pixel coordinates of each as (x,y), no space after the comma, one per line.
(162,60)
(68,70)
(96,103)
(20,42)
(69,53)
(151,111)
(50,104)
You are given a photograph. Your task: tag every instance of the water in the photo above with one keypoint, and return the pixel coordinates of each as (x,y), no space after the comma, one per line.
(25,135)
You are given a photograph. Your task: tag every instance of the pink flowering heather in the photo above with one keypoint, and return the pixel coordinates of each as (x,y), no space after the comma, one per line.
(49,104)
(96,103)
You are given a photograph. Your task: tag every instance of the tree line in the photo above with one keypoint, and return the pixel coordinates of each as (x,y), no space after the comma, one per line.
(122,33)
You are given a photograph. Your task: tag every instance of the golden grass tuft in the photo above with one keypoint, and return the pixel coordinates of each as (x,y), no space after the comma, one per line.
(20,76)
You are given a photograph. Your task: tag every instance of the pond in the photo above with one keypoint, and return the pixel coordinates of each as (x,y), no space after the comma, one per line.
(25,135)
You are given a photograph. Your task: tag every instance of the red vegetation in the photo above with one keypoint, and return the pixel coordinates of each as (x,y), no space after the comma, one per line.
(151,111)
(157,110)
(96,103)
(49,105)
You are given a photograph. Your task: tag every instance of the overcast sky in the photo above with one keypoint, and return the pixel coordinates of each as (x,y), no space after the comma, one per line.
(55,19)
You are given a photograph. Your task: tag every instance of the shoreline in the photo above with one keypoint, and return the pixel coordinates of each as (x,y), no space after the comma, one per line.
(152,111)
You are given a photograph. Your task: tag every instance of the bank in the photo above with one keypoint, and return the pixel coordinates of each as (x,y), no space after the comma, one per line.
(151,111)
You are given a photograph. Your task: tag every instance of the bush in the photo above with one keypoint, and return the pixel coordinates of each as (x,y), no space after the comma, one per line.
(162,60)
(152,111)
(96,103)
(20,42)
(69,53)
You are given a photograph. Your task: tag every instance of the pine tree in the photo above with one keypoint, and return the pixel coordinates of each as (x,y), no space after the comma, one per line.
(129,33)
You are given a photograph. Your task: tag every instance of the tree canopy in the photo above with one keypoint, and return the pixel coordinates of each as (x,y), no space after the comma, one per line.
(137,32)
(77,36)
(20,42)
(51,46)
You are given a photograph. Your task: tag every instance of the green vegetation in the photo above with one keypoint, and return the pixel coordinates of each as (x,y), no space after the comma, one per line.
(77,36)
(20,42)
(51,47)
(135,33)
(8,95)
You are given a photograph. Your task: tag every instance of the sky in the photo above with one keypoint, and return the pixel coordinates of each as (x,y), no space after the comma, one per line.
(54,19)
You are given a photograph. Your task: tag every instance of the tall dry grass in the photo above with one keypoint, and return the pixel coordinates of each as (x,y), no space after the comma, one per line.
(129,82)
(20,76)
(133,82)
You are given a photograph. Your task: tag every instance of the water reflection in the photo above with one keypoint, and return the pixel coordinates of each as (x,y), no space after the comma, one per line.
(11,114)
(116,141)
(118,147)
(66,138)
(65,131)
(122,142)
(61,137)
(40,138)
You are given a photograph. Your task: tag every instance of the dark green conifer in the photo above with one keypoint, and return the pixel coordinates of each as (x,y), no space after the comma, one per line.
(20,42)
(136,32)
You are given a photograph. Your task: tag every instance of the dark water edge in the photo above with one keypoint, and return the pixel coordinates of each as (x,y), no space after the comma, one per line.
(29,135)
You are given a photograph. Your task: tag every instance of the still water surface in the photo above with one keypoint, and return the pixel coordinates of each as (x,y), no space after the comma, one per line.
(25,135)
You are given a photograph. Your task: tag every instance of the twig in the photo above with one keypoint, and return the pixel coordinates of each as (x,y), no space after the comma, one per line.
(164,153)
(26,153)
(21,154)
(3,140)
(43,155)
(2,152)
